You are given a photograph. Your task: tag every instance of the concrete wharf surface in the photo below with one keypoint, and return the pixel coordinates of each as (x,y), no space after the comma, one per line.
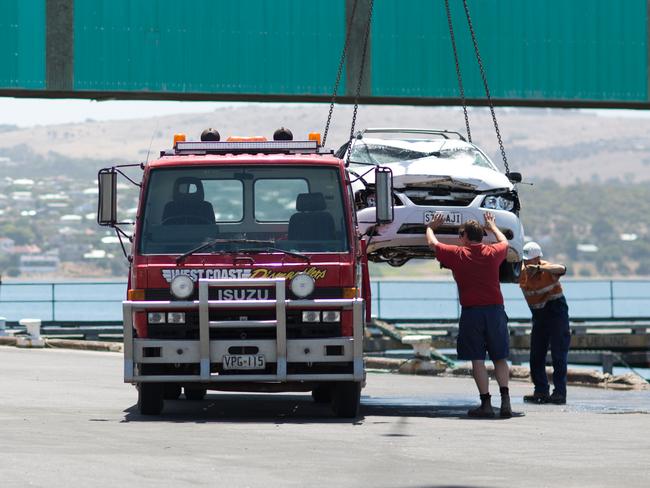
(68,420)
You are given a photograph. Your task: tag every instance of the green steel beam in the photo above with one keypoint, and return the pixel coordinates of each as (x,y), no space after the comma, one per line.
(557,53)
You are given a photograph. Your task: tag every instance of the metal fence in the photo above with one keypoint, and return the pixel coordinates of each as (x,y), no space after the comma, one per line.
(421,301)
(414,301)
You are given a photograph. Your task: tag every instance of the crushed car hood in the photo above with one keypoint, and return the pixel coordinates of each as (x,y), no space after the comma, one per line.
(426,173)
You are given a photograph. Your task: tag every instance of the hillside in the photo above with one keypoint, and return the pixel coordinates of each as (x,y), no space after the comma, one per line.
(567,146)
(587,200)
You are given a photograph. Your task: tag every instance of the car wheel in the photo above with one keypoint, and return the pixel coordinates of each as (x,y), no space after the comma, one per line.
(195,394)
(397,262)
(509,272)
(171,391)
(150,398)
(346,397)
(322,393)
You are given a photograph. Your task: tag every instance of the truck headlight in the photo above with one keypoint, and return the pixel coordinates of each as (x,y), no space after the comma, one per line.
(331,316)
(156,318)
(176,317)
(182,287)
(311,316)
(302,285)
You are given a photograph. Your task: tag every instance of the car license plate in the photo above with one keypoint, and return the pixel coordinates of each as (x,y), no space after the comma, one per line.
(451,218)
(244,361)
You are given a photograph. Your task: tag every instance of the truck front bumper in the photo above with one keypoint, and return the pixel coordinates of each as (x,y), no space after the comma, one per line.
(287,357)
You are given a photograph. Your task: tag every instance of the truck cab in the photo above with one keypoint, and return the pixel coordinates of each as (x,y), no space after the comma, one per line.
(246,273)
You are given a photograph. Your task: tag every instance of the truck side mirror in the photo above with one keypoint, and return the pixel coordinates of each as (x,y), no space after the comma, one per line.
(107,207)
(514,177)
(384,195)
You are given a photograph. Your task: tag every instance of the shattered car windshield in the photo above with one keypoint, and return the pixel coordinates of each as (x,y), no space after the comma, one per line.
(380,154)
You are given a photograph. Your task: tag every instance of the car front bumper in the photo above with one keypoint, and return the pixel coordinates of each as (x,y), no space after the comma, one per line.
(408,229)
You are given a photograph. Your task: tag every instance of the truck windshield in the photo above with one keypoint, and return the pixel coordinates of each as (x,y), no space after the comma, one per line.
(291,208)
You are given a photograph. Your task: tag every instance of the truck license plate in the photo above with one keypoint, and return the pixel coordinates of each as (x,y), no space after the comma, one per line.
(244,361)
(451,218)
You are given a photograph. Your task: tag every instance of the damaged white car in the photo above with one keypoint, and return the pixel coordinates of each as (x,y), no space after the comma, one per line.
(433,171)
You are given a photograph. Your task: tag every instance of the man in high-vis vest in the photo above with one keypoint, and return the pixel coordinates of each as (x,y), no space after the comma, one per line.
(540,283)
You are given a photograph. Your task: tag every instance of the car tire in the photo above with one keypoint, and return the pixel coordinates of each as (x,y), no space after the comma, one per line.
(172,391)
(195,394)
(509,272)
(322,393)
(150,398)
(346,397)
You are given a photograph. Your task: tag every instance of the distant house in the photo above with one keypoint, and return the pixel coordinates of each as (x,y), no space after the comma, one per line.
(39,263)
(7,245)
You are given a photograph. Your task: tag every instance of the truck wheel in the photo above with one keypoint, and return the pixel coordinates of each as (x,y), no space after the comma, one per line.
(322,393)
(346,397)
(509,272)
(195,394)
(171,391)
(150,398)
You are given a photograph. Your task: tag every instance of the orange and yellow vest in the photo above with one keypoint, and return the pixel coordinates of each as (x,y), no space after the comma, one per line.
(539,288)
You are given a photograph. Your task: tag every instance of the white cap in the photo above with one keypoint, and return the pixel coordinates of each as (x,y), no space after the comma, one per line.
(532,250)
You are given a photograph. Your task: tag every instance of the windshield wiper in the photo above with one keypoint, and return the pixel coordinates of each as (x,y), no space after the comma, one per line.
(277,249)
(214,242)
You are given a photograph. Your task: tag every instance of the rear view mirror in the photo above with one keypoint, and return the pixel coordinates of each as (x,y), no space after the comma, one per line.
(514,177)
(107,207)
(384,195)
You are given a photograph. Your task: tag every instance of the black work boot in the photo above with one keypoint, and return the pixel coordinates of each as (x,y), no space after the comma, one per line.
(485,410)
(537,397)
(557,398)
(506,410)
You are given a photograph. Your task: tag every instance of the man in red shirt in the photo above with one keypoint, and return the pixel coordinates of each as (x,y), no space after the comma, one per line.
(483,325)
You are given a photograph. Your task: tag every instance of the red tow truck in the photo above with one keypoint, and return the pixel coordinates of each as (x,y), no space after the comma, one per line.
(247,272)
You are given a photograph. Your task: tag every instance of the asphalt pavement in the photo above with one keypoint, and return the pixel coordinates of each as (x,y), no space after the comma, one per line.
(68,420)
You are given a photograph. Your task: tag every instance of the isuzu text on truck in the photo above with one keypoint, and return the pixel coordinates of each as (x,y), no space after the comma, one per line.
(246,272)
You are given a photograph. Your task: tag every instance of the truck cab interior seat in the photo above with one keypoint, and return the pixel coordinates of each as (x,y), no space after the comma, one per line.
(311,222)
(188,205)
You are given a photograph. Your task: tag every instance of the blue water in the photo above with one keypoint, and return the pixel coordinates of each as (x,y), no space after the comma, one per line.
(403,300)
(395,300)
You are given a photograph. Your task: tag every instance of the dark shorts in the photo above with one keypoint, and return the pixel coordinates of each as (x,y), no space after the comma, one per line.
(481,330)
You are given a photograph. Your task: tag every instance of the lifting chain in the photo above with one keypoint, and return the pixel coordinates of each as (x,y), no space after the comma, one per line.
(340,72)
(360,80)
(485,85)
(458,73)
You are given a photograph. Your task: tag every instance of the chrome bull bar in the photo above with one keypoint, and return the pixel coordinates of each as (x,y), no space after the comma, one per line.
(206,350)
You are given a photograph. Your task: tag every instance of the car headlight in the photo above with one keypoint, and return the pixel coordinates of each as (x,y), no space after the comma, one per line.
(182,287)
(302,285)
(498,203)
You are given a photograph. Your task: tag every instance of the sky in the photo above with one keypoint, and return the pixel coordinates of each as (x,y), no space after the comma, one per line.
(27,112)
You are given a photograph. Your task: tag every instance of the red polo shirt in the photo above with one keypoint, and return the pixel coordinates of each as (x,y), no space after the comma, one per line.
(476,271)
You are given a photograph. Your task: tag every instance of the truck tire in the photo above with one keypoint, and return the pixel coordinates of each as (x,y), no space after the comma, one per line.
(171,391)
(346,397)
(150,398)
(195,394)
(322,393)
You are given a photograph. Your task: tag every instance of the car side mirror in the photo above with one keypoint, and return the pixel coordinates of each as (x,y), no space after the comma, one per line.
(107,201)
(514,177)
(384,195)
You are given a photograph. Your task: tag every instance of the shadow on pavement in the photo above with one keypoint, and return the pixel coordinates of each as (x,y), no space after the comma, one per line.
(295,409)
